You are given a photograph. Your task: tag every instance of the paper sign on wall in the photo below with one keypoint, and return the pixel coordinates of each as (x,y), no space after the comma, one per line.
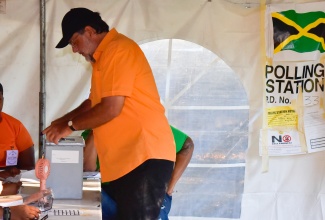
(65,156)
(294,80)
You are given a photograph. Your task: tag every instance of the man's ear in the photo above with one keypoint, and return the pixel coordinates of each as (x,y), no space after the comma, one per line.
(89,30)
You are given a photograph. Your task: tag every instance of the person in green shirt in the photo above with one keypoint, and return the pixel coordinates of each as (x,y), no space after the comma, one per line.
(184,150)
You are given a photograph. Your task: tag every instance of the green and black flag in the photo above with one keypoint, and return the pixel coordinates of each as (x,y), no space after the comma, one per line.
(299,32)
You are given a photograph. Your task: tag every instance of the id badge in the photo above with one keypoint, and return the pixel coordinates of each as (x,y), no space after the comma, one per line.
(12,158)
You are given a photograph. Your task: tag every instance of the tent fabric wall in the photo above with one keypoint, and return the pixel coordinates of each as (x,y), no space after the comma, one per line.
(19,62)
(293,187)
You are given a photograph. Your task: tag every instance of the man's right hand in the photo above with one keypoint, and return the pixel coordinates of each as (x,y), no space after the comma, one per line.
(56,131)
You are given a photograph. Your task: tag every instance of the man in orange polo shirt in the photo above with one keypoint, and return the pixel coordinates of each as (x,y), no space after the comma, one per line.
(132,136)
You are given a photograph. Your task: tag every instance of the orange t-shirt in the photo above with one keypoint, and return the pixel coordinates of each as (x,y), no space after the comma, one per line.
(13,136)
(141,131)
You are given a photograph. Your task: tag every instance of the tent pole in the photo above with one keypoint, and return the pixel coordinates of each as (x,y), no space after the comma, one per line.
(42,93)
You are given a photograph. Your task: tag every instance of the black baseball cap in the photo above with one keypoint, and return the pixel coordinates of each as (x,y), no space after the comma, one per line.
(75,20)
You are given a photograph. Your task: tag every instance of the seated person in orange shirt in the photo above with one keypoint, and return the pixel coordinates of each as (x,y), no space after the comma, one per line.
(16,150)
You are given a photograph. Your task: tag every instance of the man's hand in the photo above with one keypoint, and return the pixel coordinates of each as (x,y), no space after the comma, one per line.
(56,131)
(24,212)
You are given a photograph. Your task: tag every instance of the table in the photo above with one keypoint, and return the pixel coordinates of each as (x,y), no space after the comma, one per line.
(88,207)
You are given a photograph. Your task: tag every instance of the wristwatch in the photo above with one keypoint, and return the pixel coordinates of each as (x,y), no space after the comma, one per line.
(6,213)
(70,124)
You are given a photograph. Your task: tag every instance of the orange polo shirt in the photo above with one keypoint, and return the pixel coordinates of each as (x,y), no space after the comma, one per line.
(13,135)
(141,131)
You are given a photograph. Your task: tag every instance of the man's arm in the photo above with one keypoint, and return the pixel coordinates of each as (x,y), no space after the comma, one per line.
(26,159)
(10,188)
(90,154)
(85,106)
(183,158)
(59,126)
(109,108)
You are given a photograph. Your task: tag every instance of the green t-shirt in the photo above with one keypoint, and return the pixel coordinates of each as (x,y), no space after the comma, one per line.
(85,133)
(179,138)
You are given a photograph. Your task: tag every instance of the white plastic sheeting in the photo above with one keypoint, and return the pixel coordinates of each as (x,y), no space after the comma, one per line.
(293,188)
(205,99)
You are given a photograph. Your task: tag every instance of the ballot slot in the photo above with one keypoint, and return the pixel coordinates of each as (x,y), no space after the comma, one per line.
(66,164)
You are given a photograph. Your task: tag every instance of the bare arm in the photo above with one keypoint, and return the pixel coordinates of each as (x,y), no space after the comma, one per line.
(26,159)
(58,127)
(183,158)
(90,154)
(109,108)
(10,188)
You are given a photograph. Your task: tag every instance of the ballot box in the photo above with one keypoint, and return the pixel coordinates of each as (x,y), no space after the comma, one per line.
(66,167)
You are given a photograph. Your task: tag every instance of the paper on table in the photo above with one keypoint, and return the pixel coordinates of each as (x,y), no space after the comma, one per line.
(12,200)
(91,175)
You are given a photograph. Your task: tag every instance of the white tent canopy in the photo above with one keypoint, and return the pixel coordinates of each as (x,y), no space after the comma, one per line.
(228,31)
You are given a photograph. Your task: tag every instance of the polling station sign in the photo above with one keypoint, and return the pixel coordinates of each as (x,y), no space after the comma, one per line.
(294,79)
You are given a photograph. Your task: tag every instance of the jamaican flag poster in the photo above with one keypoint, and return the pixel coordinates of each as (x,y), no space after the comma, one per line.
(294,100)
